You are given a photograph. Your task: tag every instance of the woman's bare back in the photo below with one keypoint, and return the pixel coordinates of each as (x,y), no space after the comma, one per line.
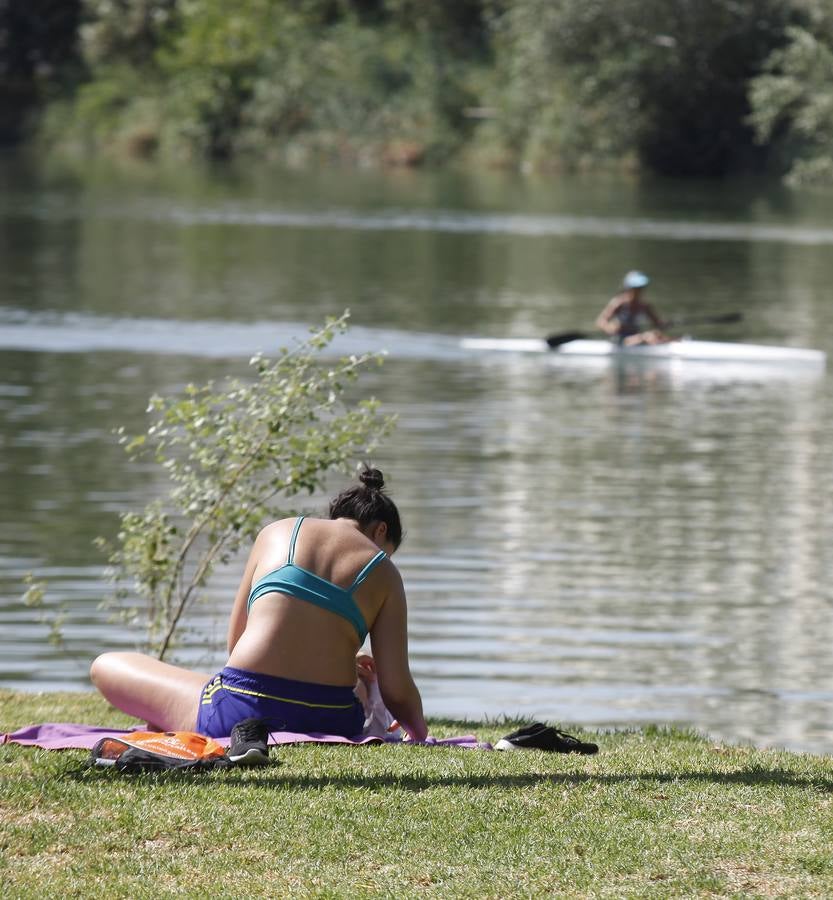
(290,637)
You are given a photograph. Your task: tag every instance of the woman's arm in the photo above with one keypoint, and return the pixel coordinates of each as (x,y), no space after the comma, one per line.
(239,611)
(606,321)
(389,639)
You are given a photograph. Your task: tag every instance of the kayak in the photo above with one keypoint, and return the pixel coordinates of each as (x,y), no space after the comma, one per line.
(684,349)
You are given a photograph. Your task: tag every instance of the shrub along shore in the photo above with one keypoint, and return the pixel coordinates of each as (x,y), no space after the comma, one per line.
(656,813)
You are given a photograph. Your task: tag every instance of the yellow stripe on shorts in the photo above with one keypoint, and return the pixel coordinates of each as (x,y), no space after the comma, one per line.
(236,690)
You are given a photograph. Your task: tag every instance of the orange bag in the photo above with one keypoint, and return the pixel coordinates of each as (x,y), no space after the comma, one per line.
(154,751)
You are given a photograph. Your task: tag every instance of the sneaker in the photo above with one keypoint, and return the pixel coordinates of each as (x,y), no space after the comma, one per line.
(544,737)
(526,731)
(248,746)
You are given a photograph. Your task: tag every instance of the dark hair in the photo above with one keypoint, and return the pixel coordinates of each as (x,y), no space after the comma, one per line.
(367,503)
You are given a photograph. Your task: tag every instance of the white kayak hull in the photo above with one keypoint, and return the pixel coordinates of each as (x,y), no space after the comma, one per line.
(689,350)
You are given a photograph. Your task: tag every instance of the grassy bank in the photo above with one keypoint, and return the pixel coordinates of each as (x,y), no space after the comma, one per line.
(656,813)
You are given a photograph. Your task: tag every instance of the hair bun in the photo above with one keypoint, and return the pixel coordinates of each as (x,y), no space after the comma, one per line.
(372,478)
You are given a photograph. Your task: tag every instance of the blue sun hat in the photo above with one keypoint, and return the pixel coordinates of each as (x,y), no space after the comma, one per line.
(634,280)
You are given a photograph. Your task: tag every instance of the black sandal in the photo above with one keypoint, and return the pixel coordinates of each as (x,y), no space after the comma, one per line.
(538,736)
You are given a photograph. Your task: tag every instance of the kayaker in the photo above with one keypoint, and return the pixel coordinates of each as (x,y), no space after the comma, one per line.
(311,591)
(630,319)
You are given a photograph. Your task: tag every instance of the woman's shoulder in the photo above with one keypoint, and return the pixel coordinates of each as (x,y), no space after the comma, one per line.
(614,303)
(388,574)
(289,522)
(276,526)
(280,529)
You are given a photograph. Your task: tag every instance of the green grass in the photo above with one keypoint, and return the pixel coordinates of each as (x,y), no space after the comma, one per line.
(657,813)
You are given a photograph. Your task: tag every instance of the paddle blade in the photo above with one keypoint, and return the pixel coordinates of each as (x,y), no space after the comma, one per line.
(556,340)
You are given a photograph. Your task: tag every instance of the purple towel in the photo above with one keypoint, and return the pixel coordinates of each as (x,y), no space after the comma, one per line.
(69,735)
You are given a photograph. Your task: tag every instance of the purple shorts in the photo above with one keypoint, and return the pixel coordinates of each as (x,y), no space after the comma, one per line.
(285,704)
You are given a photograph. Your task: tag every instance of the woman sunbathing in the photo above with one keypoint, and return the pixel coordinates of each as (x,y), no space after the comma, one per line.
(311,592)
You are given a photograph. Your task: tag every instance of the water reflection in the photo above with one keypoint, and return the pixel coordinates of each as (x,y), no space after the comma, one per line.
(649,540)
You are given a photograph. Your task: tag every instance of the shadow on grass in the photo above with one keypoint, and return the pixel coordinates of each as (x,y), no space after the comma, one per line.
(423,782)
(270,777)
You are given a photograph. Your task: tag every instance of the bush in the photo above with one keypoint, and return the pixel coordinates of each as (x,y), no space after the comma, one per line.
(792,103)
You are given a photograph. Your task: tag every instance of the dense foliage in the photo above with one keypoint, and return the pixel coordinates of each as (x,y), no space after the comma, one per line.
(677,86)
(663,81)
(37,54)
(792,99)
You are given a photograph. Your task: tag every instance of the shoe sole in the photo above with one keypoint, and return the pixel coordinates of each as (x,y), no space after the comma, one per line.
(252,757)
(503,744)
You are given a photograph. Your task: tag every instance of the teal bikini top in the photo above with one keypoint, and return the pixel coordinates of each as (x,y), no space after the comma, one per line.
(305,585)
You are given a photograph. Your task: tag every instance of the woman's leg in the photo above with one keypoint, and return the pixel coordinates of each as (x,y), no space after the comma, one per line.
(165,696)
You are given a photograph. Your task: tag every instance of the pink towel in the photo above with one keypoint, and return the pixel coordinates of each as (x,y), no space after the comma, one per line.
(69,735)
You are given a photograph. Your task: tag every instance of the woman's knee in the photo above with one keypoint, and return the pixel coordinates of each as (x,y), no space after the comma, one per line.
(103,667)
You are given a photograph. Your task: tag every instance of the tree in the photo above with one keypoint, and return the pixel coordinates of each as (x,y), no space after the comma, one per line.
(792,101)
(662,80)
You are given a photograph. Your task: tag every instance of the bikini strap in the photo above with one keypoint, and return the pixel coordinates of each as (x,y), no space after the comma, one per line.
(292,540)
(367,570)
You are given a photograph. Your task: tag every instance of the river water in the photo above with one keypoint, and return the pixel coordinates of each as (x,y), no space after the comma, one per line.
(589,544)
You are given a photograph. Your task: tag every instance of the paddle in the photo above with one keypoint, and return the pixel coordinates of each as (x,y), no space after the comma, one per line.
(564,337)
(556,340)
